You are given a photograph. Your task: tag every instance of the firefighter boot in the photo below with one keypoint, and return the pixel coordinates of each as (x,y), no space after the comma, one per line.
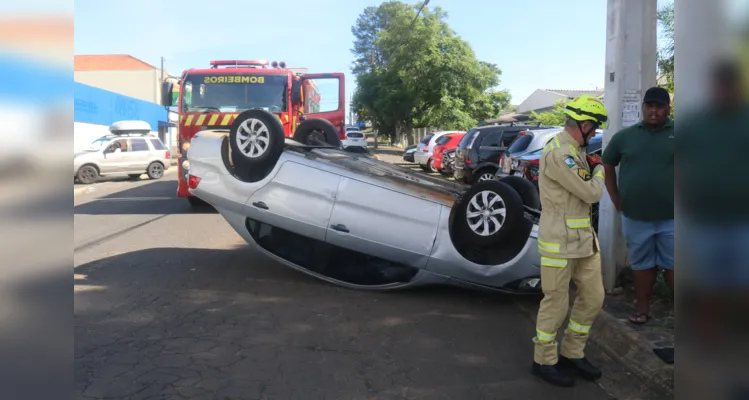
(553,375)
(580,365)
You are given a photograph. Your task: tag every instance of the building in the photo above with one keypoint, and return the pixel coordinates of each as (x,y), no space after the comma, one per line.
(543,100)
(128,87)
(96,109)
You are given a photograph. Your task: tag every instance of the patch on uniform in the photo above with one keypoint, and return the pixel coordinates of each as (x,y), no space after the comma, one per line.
(569,161)
(584,174)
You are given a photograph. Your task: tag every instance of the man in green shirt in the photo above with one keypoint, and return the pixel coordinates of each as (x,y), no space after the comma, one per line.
(644,194)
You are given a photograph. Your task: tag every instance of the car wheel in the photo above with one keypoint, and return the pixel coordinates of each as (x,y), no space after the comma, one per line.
(155,170)
(317,132)
(432,169)
(256,141)
(525,188)
(485,175)
(87,174)
(487,213)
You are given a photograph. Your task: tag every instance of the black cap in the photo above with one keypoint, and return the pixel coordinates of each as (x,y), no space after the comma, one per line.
(657,95)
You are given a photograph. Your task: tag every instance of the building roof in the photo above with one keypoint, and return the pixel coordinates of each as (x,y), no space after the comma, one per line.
(110,62)
(575,93)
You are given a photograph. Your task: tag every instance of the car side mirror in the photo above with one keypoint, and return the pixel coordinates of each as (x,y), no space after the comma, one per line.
(296,93)
(166,94)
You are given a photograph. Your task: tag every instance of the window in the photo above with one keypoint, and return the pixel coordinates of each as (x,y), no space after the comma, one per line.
(117,144)
(521,143)
(427,138)
(222,92)
(138,145)
(443,140)
(156,143)
(354,134)
(508,137)
(467,138)
(491,139)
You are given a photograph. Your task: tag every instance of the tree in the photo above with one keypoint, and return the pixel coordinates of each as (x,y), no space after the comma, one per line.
(418,72)
(666,50)
(555,117)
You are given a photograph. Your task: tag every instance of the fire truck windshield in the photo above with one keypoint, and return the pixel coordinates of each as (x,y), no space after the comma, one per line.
(234,92)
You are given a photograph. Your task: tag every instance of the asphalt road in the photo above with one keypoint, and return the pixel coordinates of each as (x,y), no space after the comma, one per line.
(173,304)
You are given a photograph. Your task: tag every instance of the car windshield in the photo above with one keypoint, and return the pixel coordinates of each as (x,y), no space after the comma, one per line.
(234,92)
(521,143)
(99,143)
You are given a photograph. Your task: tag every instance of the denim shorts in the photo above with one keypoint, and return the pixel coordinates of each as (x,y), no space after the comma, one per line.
(650,243)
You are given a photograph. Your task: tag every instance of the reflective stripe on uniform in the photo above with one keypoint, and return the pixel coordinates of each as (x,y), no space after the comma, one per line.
(599,174)
(545,337)
(572,149)
(579,328)
(576,223)
(550,247)
(553,262)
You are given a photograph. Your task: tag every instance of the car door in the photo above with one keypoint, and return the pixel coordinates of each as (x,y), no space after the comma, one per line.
(114,156)
(381,222)
(489,149)
(298,198)
(139,155)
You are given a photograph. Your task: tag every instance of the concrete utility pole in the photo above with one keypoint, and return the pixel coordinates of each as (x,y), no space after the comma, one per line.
(631,58)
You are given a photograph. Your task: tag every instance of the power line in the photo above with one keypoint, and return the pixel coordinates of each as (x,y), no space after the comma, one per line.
(418,13)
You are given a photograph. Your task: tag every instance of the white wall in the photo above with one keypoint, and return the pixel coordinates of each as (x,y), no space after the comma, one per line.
(84,134)
(140,84)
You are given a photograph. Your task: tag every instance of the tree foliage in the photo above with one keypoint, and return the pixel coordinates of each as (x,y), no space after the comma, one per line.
(666,49)
(416,72)
(555,117)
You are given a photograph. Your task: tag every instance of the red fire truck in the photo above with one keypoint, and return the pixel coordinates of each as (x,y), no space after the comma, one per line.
(212,98)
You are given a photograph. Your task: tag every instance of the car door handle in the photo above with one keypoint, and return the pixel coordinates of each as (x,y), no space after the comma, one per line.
(339,228)
(260,204)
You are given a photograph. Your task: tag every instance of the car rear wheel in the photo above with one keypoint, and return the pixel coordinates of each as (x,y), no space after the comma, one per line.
(317,132)
(155,170)
(485,175)
(256,141)
(487,213)
(526,189)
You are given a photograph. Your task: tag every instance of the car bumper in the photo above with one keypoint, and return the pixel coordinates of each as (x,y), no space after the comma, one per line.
(422,158)
(408,157)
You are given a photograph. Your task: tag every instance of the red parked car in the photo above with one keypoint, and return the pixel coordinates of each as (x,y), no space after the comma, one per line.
(446,142)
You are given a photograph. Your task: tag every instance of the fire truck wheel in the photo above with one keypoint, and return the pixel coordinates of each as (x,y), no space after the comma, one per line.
(317,132)
(256,139)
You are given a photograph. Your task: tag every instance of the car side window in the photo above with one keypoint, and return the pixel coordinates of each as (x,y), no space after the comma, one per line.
(156,143)
(492,139)
(117,144)
(139,144)
(507,138)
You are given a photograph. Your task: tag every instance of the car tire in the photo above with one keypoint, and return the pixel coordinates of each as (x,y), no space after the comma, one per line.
(256,141)
(485,174)
(155,170)
(87,174)
(317,132)
(502,199)
(526,189)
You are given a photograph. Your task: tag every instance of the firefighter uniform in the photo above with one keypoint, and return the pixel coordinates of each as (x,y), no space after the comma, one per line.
(568,247)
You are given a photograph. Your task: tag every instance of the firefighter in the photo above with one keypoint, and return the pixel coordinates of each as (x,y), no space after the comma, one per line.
(569,183)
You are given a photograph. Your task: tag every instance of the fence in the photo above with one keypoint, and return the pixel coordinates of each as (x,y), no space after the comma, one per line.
(408,138)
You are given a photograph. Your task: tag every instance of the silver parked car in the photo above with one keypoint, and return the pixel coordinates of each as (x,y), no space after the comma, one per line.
(130,154)
(361,223)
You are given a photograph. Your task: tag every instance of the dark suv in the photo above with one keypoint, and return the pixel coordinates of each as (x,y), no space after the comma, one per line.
(477,154)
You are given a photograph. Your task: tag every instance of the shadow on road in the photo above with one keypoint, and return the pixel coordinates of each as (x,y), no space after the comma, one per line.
(390,152)
(157,197)
(235,324)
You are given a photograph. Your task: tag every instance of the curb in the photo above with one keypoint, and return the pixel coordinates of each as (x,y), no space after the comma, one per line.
(631,370)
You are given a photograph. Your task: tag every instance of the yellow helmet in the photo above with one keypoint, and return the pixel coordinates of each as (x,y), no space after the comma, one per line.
(587,108)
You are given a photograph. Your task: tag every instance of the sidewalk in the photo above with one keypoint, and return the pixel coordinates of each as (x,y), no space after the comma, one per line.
(624,350)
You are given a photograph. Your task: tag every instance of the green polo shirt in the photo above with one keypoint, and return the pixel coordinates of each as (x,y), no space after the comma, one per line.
(646,170)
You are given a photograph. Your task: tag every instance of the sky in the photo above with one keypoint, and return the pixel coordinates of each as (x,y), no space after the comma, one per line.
(538,44)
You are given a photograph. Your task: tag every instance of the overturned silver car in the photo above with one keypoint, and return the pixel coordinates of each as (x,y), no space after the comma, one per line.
(361,223)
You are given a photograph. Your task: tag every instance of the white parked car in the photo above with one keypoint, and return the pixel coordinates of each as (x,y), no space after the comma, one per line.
(355,140)
(130,149)
(425,149)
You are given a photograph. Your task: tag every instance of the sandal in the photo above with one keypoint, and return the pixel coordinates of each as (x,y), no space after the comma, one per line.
(639,318)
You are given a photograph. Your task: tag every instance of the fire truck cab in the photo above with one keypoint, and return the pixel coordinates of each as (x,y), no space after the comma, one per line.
(310,107)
